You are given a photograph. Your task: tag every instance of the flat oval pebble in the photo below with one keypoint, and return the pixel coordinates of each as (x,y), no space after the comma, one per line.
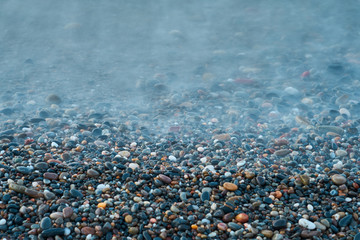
(45,223)
(92,173)
(164,178)
(53,232)
(338,179)
(242,218)
(230,186)
(50,176)
(67,212)
(307,224)
(279,224)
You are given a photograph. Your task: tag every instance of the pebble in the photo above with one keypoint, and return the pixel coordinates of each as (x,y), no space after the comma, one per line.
(92,173)
(242,218)
(230,186)
(267,233)
(164,178)
(53,232)
(338,179)
(345,221)
(307,224)
(88,230)
(67,212)
(279,224)
(45,223)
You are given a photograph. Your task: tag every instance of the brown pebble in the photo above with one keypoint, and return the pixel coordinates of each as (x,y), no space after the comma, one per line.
(92,173)
(88,230)
(67,212)
(228,217)
(50,176)
(128,218)
(222,226)
(133,230)
(249,175)
(230,186)
(164,178)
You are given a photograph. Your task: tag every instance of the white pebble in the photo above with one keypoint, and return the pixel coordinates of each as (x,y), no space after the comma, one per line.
(348,199)
(310,207)
(54,144)
(227,174)
(3,221)
(209,168)
(200,149)
(172,158)
(133,166)
(67,231)
(291,91)
(203,159)
(241,163)
(133,144)
(307,224)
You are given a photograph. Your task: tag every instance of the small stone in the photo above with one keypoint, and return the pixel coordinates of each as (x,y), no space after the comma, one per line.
(242,218)
(307,224)
(341,153)
(174,209)
(133,230)
(267,233)
(230,186)
(260,180)
(67,212)
(305,179)
(76,193)
(24,170)
(279,224)
(134,166)
(222,137)
(345,221)
(309,234)
(205,196)
(164,178)
(320,226)
(228,217)
(56,215)
(282,152)
(52,232)
(338,179)
(50,176)
(92,173)
(53,98)
(2,221)
(357,236)
(88,230)
(45,223)
(222,226)
(325,222)
(128,218)
(49,195)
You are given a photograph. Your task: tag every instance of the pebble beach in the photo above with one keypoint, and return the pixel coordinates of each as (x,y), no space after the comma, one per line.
(236,139)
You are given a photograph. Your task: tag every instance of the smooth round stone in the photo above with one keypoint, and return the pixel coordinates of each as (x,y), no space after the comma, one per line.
(67,212)
(307,224)
(45,223)
(172,158)
(209,168)
(320,226)
(228,217)
(230,186)
(56,215)
(338,179)
(24,170)
(67,231)
(242,218)
(241,163)
(3,221)
(267,233)
(133,230)
(279,224)
(341,153)
(128,218)
(134,166)
(291,91)
(205,196)
(92,173)
(50,176)
(222,226)
(164,178)
(49,195)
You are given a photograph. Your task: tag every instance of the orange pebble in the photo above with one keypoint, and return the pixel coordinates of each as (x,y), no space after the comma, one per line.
(242,217)
(278,194)
(153,220)
(102,205)
(195,227)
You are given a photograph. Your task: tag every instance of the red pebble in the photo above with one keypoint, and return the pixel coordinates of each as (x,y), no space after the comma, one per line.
(305,74)
(28,141)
